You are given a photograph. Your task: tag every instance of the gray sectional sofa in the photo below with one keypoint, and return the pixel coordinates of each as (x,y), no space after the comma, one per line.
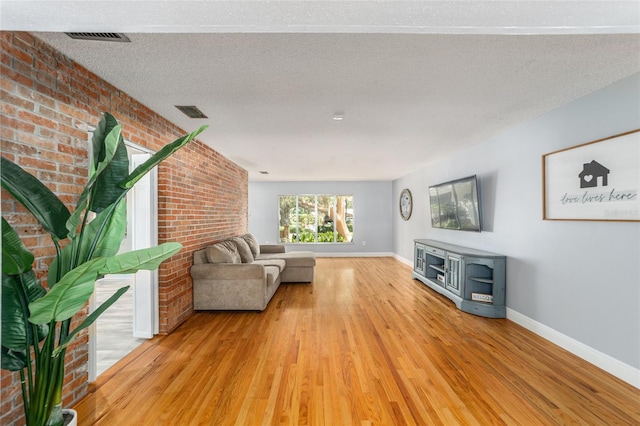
(240,274)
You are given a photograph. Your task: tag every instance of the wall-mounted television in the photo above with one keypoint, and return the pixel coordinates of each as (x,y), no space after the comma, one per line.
(456,205)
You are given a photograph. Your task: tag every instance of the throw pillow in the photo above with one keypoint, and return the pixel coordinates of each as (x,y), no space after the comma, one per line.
(243,249)
(223,252)
(253,244)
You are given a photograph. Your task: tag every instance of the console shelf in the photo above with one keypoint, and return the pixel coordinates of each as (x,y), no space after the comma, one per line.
(481,280)
(473,279)
(437,268)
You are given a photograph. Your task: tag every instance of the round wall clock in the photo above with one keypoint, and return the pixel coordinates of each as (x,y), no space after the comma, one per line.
(406,204)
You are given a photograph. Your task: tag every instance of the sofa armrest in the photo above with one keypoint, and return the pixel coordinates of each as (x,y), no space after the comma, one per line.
(272,248)
(230,286)
(227,271)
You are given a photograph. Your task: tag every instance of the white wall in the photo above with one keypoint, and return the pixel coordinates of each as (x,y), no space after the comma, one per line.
(372,214)
(575,282)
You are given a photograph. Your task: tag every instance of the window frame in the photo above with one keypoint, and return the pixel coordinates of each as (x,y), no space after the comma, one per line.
(296,208)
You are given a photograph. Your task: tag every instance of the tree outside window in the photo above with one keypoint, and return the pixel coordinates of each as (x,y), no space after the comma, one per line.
(316,218)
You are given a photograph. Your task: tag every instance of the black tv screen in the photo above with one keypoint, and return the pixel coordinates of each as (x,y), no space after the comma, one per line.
(456,205)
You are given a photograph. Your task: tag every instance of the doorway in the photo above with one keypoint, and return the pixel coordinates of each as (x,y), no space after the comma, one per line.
(134,317)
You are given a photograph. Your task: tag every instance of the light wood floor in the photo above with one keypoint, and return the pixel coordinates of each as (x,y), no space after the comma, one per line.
(114,328)
(363,344)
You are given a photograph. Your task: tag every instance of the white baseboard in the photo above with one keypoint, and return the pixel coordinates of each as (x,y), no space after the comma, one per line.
(609,364)
(403,260)
(356,254)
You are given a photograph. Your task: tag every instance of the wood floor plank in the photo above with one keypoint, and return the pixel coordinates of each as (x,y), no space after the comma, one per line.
(364,344)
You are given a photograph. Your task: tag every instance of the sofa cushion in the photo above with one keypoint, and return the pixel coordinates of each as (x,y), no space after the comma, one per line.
(279,263)
(243,249)
(253,244)
(292,258)
(223,252)
(200,256)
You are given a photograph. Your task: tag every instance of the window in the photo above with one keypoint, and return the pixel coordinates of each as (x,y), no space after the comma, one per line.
(316,218)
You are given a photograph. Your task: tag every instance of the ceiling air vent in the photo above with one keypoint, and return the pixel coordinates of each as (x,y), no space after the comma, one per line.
(100,37)
(191,111)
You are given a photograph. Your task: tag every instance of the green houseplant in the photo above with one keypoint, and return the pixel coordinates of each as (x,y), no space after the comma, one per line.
(36,322)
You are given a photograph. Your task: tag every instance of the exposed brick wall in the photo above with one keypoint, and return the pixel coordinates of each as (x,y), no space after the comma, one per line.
(48,103)
(204,199)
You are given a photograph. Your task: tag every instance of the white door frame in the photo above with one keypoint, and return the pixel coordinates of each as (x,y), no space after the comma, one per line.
(152,289)
(142,236)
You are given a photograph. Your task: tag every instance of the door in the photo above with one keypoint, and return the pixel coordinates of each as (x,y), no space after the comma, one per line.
(142,303)
(143,235)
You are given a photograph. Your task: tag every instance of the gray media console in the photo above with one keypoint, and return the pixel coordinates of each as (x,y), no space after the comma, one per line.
(473,279)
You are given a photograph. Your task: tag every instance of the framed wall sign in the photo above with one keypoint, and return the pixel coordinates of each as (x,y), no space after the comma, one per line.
(599,180)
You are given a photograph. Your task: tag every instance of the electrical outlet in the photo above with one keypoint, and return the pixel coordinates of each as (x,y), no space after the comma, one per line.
(364,243)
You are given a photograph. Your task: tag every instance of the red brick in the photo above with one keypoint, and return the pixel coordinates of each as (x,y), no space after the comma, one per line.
(47,176)
(35,141)
(196,185)
(71,131)
(36,163)
(20,55)
(17,124)
(73,170)
(24,40)
(60,138)
(38,120)
(17,101)
(18,148)
(54,115)
(6,84)
(75,113)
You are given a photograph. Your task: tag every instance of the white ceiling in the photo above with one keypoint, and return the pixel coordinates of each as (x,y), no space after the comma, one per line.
(414,79)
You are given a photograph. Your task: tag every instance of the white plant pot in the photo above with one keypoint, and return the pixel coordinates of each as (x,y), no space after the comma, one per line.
(74,419)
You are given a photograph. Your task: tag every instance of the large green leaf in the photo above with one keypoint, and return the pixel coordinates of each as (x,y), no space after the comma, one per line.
(36,197)
(16,259)
(147,259)
(90,319)
(73,290)
(13,360)
(108,150)
(14,327)
(105,126)
(108,229)
(107,189)
(69,295)
(61,264)
(17,292)
(158,157)
(74,219)
(104,233)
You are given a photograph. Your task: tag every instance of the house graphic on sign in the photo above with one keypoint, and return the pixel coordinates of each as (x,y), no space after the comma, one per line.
(590,174)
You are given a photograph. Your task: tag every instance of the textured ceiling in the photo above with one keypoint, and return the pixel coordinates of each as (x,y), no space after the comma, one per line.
(414,80)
